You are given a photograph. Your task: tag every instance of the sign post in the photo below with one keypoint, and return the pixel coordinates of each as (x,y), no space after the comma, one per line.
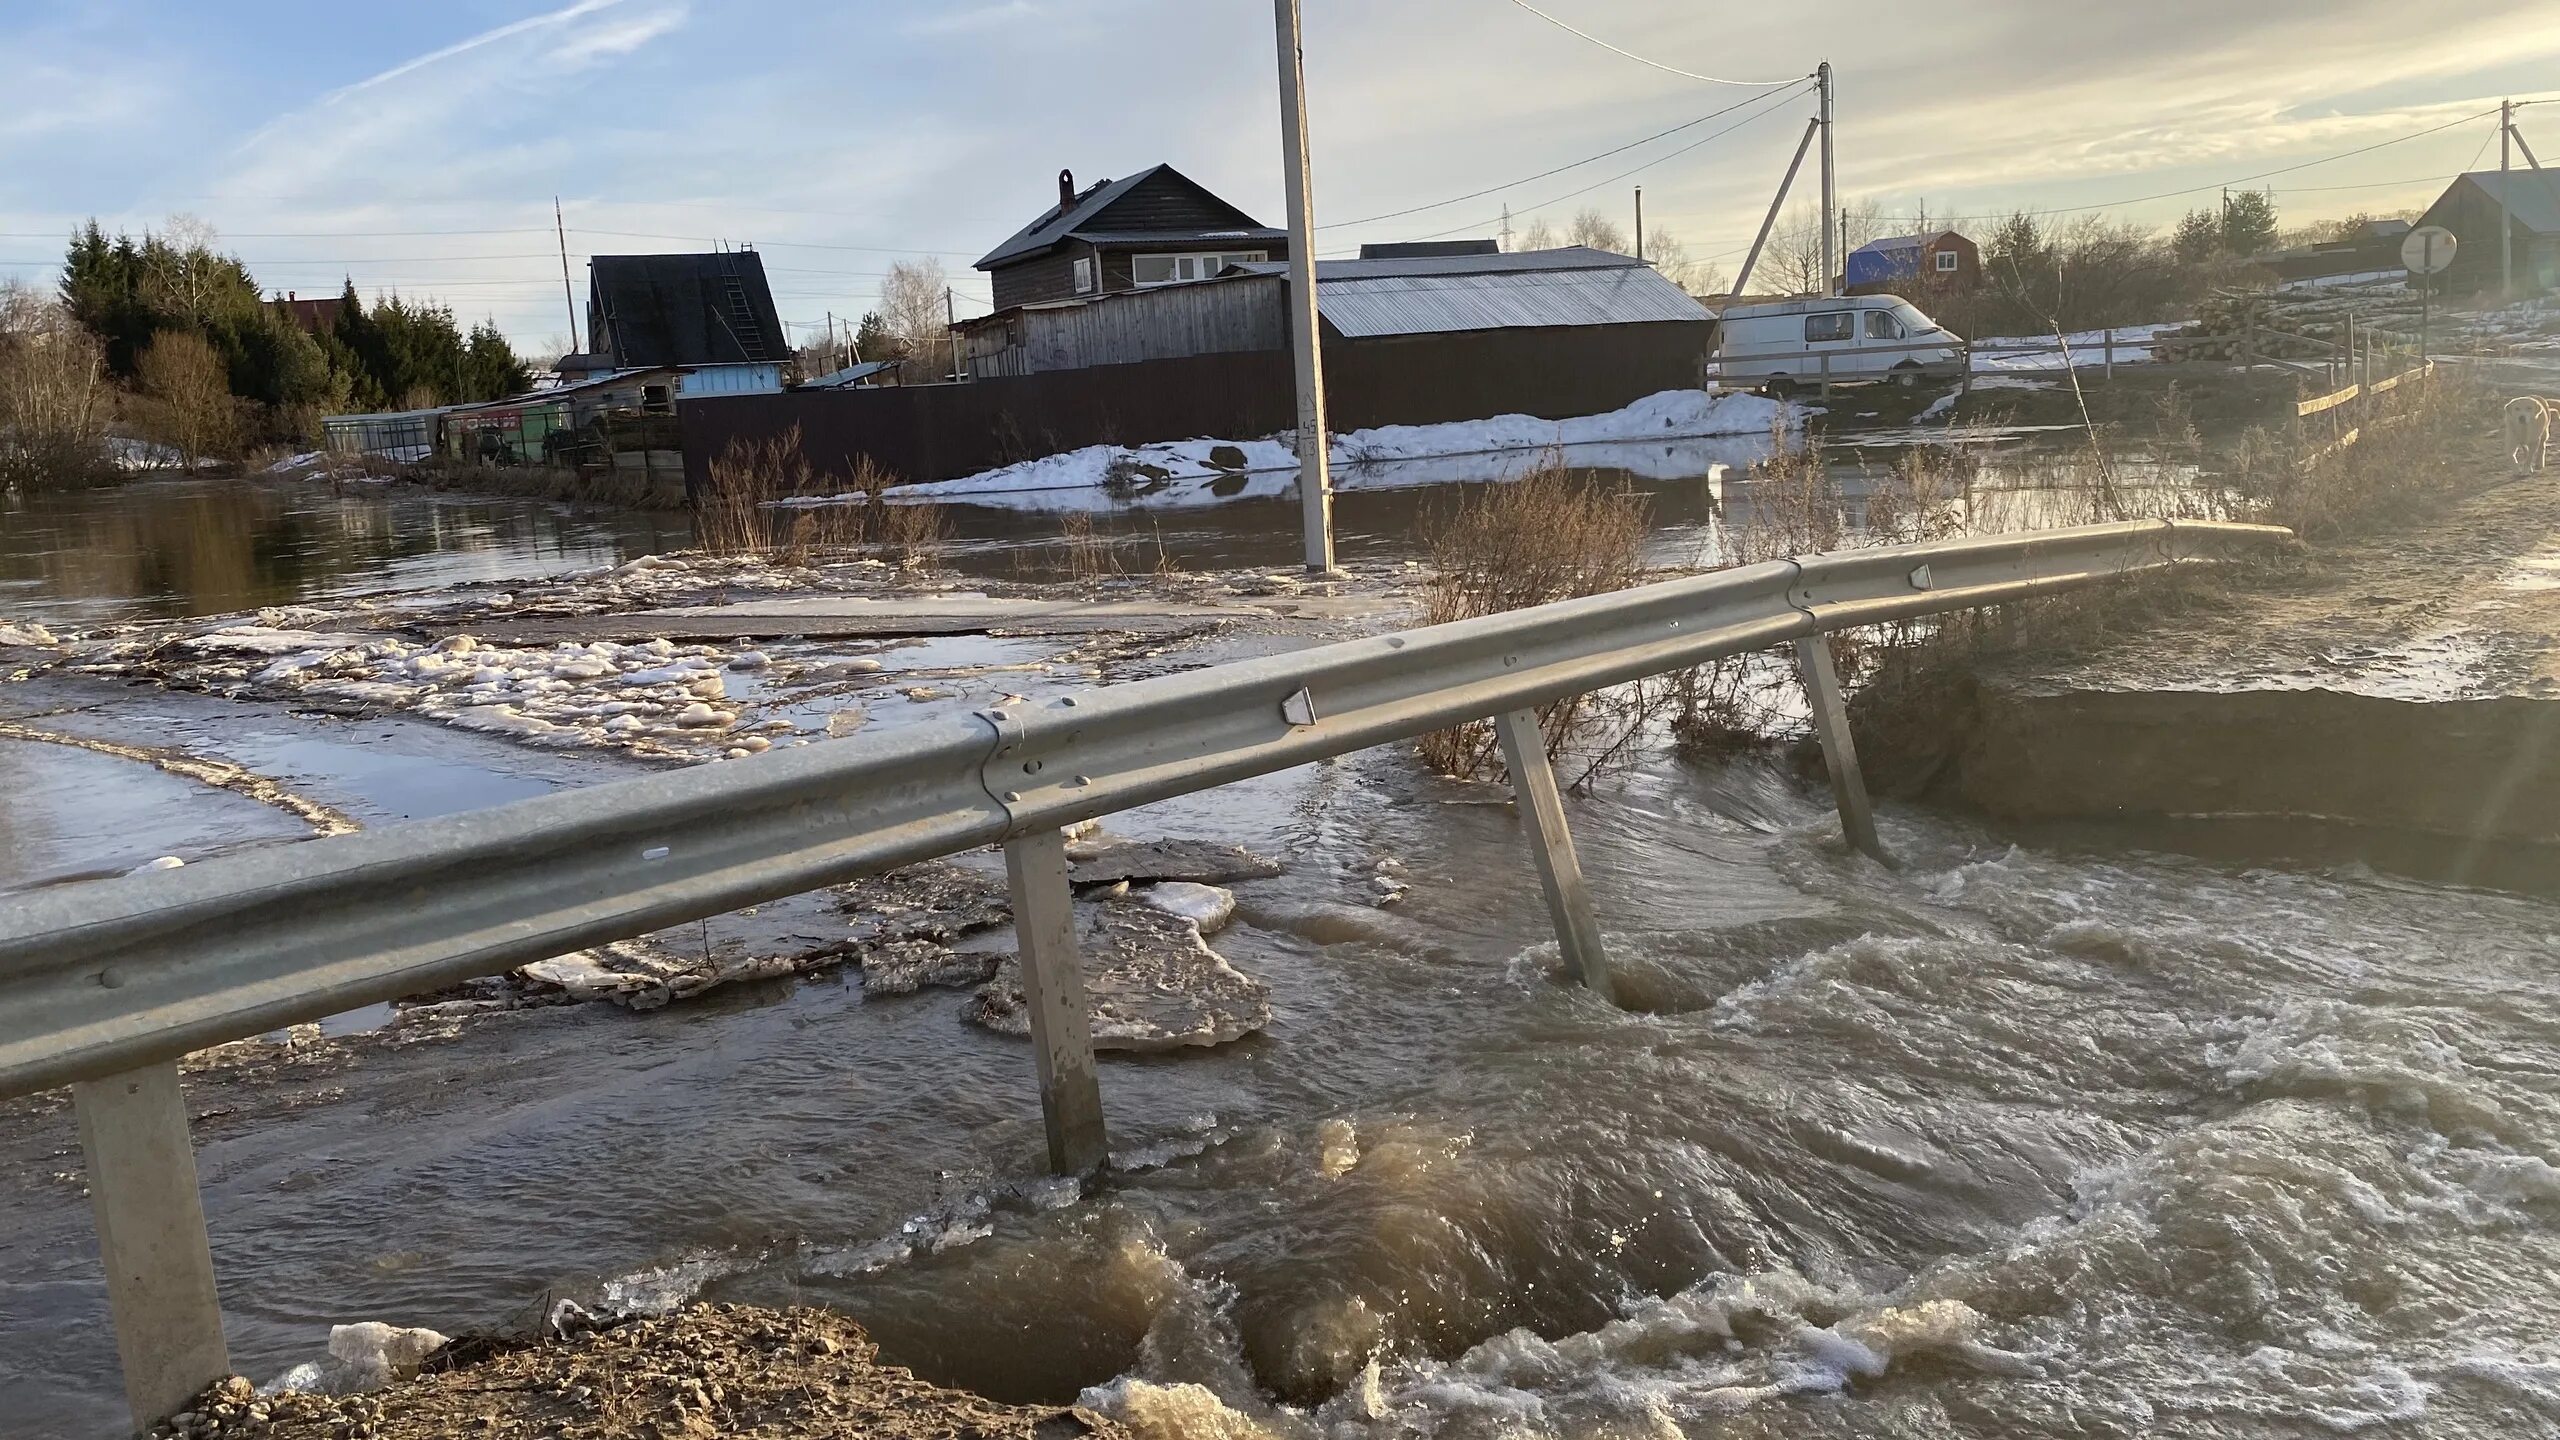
(2427,251)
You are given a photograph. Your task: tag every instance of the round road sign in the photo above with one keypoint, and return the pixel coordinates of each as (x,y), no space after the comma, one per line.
(2428,250)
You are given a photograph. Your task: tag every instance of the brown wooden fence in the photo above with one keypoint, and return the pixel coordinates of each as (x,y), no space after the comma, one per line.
(938,432)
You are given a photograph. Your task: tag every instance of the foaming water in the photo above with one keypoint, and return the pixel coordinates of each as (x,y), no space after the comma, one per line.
(2010,1142)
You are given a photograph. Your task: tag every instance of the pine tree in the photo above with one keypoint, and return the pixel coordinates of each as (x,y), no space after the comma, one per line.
(2249,223)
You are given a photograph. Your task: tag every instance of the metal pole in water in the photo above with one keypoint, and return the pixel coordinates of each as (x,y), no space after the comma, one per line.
(1044,929)
(1533,791)
(1839,756)
(1315,478)
(151,1237)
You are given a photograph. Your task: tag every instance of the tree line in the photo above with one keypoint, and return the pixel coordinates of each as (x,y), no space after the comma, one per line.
(174,338)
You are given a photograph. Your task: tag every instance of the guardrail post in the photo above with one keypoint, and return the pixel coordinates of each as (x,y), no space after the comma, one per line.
(1044,929)
(150,1218)
(2111,353)
(1826,374)
(1534,794)
(1839,756)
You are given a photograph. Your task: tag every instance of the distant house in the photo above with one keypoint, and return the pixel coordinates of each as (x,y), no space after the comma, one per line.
(1157,227)
(2469,208)
(2371,245)
(711,314)
(1936,260)
(313,316)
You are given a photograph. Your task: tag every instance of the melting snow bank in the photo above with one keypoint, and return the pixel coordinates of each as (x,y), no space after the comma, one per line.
(1375,458)
(703,1370)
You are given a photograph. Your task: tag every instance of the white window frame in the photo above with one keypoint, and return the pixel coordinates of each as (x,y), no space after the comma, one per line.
(1204,263)
(1084,275)
(1948,262)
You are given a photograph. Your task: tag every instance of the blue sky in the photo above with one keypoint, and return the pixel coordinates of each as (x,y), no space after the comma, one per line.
(418,147)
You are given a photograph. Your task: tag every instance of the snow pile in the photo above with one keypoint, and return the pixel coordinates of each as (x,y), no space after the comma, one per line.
(2087,348)
(25,633)
(1141,471)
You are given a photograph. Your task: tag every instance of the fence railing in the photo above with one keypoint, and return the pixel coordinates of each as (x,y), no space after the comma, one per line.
(106,985)
(2350,410)
(1824,368)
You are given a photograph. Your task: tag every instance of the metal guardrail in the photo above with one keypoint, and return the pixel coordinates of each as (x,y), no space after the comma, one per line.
(106,984)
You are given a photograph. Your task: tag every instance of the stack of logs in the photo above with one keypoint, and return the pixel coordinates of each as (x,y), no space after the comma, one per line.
(2293,324)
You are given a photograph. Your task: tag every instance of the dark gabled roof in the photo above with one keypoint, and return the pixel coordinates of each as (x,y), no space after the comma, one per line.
(1060,221)
(2532,196)
(1905,242)
(682,310)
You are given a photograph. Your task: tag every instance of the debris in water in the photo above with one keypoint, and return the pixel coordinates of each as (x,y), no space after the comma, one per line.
(1202,861)
(1151,982)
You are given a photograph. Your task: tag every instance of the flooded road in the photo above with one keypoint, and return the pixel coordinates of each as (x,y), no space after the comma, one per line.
(2053,1135)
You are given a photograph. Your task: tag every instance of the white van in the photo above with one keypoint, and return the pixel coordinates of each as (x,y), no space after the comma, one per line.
(1783,344)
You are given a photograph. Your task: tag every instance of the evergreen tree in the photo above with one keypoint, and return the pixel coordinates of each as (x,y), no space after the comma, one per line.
(2249,223)
(872,340)
(2197,237)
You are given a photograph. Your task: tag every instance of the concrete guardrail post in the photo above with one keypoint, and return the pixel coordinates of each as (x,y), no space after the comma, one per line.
(1839,756)
(151,1237)
(1541,807)
(1044,928)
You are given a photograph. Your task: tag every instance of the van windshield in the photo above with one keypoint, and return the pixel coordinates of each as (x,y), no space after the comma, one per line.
(1911,318)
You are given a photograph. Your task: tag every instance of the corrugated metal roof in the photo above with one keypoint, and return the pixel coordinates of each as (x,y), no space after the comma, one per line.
(1437,304)
(1568,257)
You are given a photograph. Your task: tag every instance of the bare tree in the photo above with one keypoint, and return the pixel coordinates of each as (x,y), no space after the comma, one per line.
(184,275)
(913,308)
(1539,236)
(1672,258)
(1596,230)
(1792,262)
(54,399)
(189,394)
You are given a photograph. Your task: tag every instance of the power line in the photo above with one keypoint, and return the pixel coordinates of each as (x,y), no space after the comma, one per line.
(1543,174)
(2226,184)
(1642,60)
(1707,139)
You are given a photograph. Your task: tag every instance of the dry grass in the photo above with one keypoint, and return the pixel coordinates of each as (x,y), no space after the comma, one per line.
(744,514)
(1084,554)
(1549,535)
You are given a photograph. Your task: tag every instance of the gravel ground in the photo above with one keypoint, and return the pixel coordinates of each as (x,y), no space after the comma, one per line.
(707,1370)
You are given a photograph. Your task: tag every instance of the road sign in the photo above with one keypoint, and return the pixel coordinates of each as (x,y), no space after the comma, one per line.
(2428,250)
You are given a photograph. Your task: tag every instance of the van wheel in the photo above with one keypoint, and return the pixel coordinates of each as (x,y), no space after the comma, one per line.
(1906,374)
(1780,387)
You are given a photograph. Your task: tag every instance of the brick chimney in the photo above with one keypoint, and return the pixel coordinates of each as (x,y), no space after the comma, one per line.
(1066,191)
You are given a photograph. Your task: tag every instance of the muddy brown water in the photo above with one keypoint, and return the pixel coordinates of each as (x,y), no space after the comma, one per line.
(2069,1136)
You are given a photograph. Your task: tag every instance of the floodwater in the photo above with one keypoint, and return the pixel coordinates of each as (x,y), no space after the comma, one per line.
(2062,1134)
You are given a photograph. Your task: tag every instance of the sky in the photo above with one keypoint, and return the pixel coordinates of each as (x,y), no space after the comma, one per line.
(419,147)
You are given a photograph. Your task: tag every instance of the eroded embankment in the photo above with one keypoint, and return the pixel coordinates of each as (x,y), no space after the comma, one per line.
(2479,772)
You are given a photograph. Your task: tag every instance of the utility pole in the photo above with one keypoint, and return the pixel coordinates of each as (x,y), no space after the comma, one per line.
(2506,224)
(1830,186)
(1777,202)
(1639,223)
(951,327)
(1315,479)
(568,297)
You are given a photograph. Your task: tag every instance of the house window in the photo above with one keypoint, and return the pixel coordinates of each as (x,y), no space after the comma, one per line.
(656,400)
(1835,325)
(1948,262)
(1882,326)
(1173,269)
(1084,276)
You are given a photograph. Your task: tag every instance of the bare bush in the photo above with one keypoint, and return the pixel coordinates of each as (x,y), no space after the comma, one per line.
(1086,555)
(54,398)
(743,513)
(1550,535)
(912,535)
(187,397)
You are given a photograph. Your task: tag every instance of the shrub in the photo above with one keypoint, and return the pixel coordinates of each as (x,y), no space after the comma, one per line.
(1549,535)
